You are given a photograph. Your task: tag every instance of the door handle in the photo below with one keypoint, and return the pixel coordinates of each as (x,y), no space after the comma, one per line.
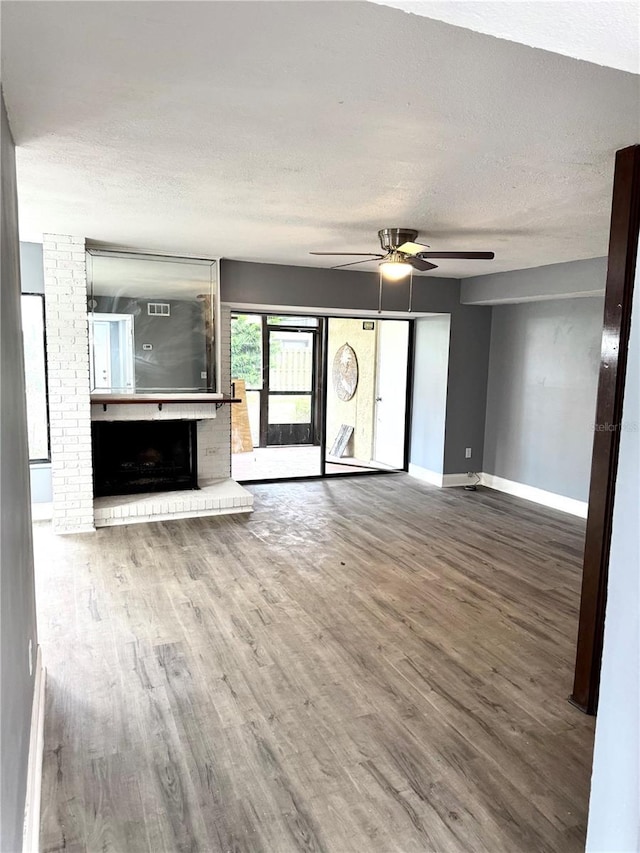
(378,399)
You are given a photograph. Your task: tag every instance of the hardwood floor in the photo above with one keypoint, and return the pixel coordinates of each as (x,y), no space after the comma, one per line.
(364,665)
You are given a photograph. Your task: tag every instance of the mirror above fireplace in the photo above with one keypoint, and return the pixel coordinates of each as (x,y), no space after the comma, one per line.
(153,324)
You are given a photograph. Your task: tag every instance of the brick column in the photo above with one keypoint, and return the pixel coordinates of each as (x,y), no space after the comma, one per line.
(65,288)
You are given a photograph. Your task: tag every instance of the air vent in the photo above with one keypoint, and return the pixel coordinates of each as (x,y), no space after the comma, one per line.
(159,309)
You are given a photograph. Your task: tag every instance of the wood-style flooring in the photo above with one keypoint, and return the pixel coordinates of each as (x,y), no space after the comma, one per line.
(364,665)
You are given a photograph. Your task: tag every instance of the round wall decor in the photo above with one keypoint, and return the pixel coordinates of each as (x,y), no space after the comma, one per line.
(345,372)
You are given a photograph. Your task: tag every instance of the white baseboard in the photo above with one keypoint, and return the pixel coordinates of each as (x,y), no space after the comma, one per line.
(425,475)
(539,496)
(500,484)
(438,479)
(31,832)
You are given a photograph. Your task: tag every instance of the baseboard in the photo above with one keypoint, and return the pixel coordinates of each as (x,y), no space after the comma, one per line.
(458,480)
(432,477)
(539,496)
(31,832)
(438,479)
(500,484)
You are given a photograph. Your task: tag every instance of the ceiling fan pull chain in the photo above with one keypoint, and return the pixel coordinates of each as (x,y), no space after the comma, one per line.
(380,295)
(410,291)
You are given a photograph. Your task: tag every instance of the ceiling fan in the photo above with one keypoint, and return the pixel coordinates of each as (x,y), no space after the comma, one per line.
(403,255)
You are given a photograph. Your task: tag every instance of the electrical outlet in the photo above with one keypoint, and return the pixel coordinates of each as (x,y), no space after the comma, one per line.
(30,652)
(467,453)
(203,374)
(210,451)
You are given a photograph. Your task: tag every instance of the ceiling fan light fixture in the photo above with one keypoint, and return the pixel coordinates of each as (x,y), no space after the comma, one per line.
(395,267)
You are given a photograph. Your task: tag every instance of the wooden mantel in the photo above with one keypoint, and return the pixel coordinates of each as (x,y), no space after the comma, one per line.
(162,399)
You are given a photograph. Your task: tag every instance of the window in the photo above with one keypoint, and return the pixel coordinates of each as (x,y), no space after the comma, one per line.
(35,376)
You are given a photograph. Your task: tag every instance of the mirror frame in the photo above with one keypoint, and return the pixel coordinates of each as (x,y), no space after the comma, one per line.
(214,318)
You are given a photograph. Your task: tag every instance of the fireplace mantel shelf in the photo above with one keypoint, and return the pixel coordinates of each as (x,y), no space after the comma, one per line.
(165,399)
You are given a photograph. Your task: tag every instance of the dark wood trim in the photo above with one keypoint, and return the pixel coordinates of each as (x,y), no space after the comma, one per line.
(623,249)
(167,399)
(408,410)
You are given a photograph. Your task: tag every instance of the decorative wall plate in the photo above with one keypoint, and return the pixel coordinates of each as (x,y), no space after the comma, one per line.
(345,372)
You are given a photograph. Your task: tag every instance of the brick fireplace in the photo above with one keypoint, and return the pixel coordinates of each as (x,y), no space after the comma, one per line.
(135,457)
(71,411)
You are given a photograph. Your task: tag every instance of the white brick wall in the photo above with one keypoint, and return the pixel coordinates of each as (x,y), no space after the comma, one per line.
(151,412)
(65,288)
(213,448)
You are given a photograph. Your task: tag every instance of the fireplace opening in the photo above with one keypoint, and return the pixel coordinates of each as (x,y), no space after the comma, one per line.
(130,457)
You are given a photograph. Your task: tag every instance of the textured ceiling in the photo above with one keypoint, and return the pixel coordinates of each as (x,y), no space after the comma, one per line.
(261,131)
(607,33)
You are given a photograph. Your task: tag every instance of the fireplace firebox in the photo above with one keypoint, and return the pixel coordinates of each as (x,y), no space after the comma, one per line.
(130,457)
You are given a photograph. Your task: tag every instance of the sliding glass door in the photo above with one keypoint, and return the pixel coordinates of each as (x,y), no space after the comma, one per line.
(366,405)
(275,366)
(319,395)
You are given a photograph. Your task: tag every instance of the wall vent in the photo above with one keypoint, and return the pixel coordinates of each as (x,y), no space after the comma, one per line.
(159,309)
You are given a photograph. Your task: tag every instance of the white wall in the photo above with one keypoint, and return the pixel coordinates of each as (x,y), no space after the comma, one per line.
(614,811)
(429,403)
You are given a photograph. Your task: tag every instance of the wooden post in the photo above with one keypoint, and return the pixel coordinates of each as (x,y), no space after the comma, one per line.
(623,249)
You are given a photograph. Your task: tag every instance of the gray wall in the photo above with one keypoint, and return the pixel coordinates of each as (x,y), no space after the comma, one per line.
(178,356)
(18,618)
(543,372)
(467,389)
(553,281)
(32,275)
(342,290)
(429,403)
(308,288)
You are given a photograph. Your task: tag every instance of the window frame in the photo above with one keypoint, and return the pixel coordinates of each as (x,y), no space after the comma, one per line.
(47,459)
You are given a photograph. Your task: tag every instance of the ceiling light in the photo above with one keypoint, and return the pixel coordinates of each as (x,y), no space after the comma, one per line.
(395,268)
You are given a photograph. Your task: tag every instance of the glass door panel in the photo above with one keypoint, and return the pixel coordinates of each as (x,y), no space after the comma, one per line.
(291,381)
(367,364)
(247,376)
(274,362)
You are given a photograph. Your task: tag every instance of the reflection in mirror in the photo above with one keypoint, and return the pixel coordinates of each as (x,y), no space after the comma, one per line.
(152,323)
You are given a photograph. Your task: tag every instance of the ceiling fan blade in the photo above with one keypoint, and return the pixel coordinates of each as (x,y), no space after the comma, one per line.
(419,264)
(350,254)
(469,256)
(353,263)
(412,248)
